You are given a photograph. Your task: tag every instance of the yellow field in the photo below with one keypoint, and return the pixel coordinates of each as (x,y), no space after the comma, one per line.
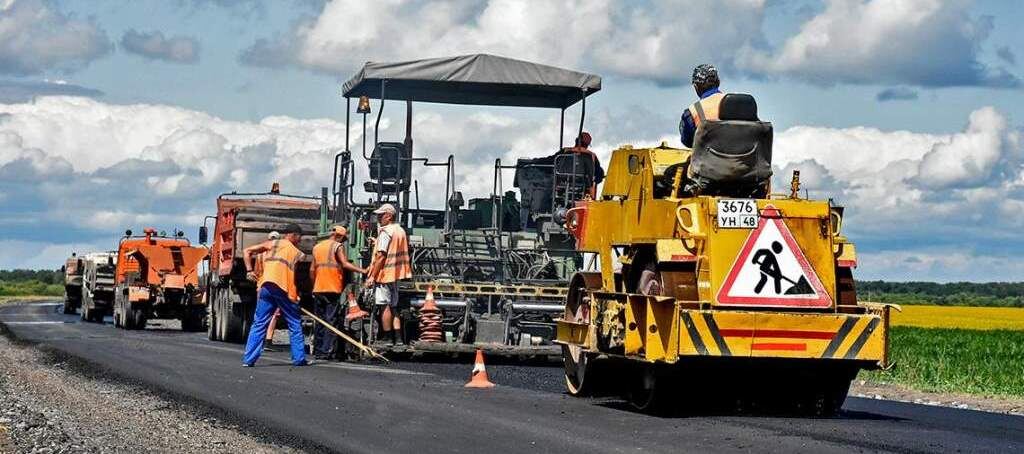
(985,318)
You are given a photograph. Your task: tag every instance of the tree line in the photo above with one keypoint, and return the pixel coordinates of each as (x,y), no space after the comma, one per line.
(31,282)
(1002,294)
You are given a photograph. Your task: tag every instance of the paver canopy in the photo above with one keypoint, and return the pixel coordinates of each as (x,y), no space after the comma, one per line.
(478,79)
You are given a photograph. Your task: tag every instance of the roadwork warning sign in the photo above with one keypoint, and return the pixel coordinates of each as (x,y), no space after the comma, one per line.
(771,270)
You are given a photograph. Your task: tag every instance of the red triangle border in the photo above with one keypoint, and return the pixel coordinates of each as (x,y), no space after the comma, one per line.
(769,212)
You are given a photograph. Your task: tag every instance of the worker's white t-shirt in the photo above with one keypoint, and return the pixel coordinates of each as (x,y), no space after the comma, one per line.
(383,241)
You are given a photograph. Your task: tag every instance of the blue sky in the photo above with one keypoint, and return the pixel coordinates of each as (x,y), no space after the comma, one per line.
(160,105)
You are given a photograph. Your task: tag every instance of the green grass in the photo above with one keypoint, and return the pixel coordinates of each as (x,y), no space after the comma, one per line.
(956,360)
(30,288)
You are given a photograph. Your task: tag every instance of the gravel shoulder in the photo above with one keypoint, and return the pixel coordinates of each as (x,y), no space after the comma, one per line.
(889,391)
(47,406)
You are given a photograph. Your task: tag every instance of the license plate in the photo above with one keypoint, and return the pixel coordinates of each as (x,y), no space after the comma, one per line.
(737,214)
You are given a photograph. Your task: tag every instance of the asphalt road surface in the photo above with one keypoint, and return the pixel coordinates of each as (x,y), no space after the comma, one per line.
(406,407)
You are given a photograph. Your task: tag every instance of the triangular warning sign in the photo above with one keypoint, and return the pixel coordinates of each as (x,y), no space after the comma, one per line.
(772,271)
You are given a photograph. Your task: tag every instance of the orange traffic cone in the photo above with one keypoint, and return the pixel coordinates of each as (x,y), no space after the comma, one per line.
(431,329)
(479,378)
(429,304)
(354,311)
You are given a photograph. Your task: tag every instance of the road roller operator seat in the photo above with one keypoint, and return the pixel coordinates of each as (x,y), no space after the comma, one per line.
(732,156)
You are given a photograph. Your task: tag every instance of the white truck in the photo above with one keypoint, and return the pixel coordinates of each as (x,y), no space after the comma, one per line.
(97,285)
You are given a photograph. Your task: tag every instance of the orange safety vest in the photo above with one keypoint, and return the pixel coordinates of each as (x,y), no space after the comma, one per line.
(279,267)
(328,278)
(593,156)
(710,107)
(396,263)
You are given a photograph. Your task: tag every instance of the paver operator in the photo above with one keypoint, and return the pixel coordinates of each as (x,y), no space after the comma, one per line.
(390,264)
(277,290)
(328,276)
(705,83)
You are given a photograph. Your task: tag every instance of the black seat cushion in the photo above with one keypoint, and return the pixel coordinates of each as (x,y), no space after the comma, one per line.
(738,106)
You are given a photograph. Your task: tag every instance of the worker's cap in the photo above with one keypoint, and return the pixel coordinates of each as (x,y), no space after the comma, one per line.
(705,74)
(274,235)
(292,228)
(584,139)
(386,208)
(339,230)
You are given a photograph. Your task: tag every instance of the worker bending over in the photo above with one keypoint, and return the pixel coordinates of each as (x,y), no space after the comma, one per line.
(705,83)
(328,275)
(390,264)
(276,290)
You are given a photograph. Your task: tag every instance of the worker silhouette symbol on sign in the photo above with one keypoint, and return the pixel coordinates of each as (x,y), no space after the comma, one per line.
(769,267)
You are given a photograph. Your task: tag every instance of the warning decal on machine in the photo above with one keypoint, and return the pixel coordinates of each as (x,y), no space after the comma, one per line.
(771,270)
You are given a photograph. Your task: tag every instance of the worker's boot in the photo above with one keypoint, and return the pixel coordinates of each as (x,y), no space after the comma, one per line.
(268,345)
(391,337)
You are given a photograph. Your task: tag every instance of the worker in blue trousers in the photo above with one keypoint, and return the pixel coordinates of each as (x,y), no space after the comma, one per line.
(276,291)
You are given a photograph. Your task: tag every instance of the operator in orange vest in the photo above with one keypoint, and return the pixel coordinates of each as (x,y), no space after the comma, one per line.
(328,276)
(390,264)
(705,83)
(276,290)
(582,147)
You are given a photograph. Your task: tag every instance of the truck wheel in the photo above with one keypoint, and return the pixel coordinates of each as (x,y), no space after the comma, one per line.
(117,312)
(97,315)
(652,390)
(211,327)
(136,318)
(232,324)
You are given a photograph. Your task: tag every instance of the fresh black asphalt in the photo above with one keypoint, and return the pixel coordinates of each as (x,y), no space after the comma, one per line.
(424,408)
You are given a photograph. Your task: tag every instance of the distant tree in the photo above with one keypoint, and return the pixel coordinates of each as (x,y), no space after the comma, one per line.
(946,294)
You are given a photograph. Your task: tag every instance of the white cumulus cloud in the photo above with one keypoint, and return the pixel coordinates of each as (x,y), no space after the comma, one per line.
(930,43)
(919,42)
(35,36)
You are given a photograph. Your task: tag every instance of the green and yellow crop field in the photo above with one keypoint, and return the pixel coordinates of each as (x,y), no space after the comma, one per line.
(978,350)
(963,317)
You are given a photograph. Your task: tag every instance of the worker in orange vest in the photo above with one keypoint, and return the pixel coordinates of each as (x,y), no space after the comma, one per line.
(328,276)
(277,290)
(390,264)
(705,83)
(268,342)
(582,148)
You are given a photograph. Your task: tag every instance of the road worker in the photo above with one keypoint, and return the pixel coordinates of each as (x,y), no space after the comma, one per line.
(582,148)
(268,342)
(705,83)
(277,290)
(390,264)
(327,274)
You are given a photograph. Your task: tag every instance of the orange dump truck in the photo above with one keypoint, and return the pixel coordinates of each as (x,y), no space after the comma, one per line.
(245,220)
(158,277)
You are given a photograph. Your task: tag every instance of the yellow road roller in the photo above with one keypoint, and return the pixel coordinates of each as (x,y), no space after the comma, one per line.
(703,288)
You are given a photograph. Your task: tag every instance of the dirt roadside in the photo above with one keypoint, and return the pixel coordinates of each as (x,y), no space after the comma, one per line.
(50,408)
(889,391)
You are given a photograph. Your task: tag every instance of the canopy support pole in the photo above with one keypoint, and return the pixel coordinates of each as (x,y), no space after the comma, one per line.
(583,112)
(561,131)
(406,216)
(338,185)
(376,132)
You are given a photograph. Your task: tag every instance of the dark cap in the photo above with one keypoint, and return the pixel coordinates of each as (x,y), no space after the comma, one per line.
(584,139)
(705,75)
(292,228)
